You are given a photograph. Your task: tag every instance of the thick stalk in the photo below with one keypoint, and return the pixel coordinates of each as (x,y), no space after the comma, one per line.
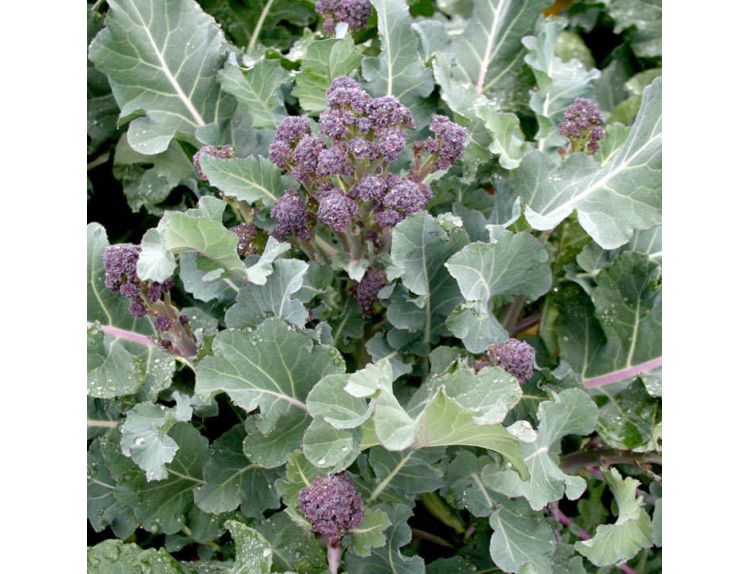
(574,462)
(334,557)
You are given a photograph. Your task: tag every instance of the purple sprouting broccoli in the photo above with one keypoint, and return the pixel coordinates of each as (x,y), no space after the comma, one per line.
(305,158)
(370,188)
(516,357)
(583,126)
(366,291)
(245,233)
(448,143)
(334,161)
(332,505)
(147,298)
(336,209)
(354,12)
(404,196)
(290,131)
(291,216)
(223,152)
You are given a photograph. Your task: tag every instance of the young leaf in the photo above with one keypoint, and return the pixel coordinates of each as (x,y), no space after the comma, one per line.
(258,90)
(117,557)
(253,179)
(253,552)
(521,538)
(370,533)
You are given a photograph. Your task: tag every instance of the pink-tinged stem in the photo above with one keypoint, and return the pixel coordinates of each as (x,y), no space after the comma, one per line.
(624,374)
(558,515)
(124,334)
(334,558)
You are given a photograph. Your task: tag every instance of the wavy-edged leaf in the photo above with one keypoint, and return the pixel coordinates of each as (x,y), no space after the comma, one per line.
(118,557)
(253,553)
(521,538)
(253,179)
(258,90)
(161,60)
(294,549)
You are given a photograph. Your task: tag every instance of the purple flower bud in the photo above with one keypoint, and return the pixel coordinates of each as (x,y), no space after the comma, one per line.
(332,124)
(336,210)
(345,93)
(184,319)
(137,309)
(388,217)
(223,152)
(305,158)
(370,188)
(333,505)
(291,216)
(366,291)
(360,148)
(480,364)
(334,161)
(405,197)
(292,129)
(449,141)
(120,263)
(389,112)
(246,234)
(582,125)
(516,357)
(353,12)
(392,143)
(280,153)
(162,324)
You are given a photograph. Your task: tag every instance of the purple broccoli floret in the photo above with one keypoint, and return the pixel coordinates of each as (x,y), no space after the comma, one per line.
(336,210)
(516,357)
(353,12)
(291,216)
(370,188)
(360,148)
(332,505)
(391,143)
(346,94)
(389,112)
(223,152)
(366,291)
(334,161)
(120,276)
(449,141)
(290,131)
(162,324)
(305,158)
(583,125)
(245,233)
(405,197)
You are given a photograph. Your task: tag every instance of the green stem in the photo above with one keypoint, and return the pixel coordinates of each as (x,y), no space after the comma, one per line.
(440,510)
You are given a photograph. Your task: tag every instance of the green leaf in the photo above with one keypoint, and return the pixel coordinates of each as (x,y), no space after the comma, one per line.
(253,552)
(488,54)
(402,475)
(329,447)
(261,269)
(467,487)
(294,549)
(272,368)
(628,419)
(196,279)
(144,435)
(273,448)
(258,90)
(507,138)
(253,179)
(300,474)
(399,70)
(117,557)
(329,401)
(607,342)
(324,61)
(370,533)
(615,543)
(161,61)
(612,201)
(641,22)
(475,326)
(379,348)
(388,558)
(521,539)
(559,82)
(161,505)
(156,262)
(230,479)
(570,412)
(657,522)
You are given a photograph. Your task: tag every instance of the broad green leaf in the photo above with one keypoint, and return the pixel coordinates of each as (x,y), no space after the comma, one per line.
(253,554)
(570,412)
(370,379)
(507,138)
(399,70)
(261,269)
(258,90)
(162,504)
(341,410)
(521,538)
(300,474)
(621,333)
(144,435)
(379,348)
(475,326)
(272,368)
(294,549)
(452,565)
(273,449)
(628,420)
(388,559)
(402,475)
(185,233)
(615,543)
(274,299)
(156,262)
(488,54)
(161,60)
(641,22)
(324,61)
(370,533)
(116,557)
(612,201)
(329,447)
(248,179)
(465,483)
(195,273)
(230,479)
(559,82)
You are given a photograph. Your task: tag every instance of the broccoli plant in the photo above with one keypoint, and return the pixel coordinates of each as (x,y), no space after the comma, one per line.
(377,287)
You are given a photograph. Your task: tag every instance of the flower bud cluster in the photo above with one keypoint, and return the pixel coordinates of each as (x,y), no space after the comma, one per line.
(583,126)
(223,152)
(366,290)
(333,505)
(147,297)
(514,356)
(245,233)
(353,12)
(346,181)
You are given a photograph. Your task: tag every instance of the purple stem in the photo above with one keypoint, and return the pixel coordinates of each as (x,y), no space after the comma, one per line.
(525,323)
(558,515)
(334,557)
(123,334)
(623,374)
